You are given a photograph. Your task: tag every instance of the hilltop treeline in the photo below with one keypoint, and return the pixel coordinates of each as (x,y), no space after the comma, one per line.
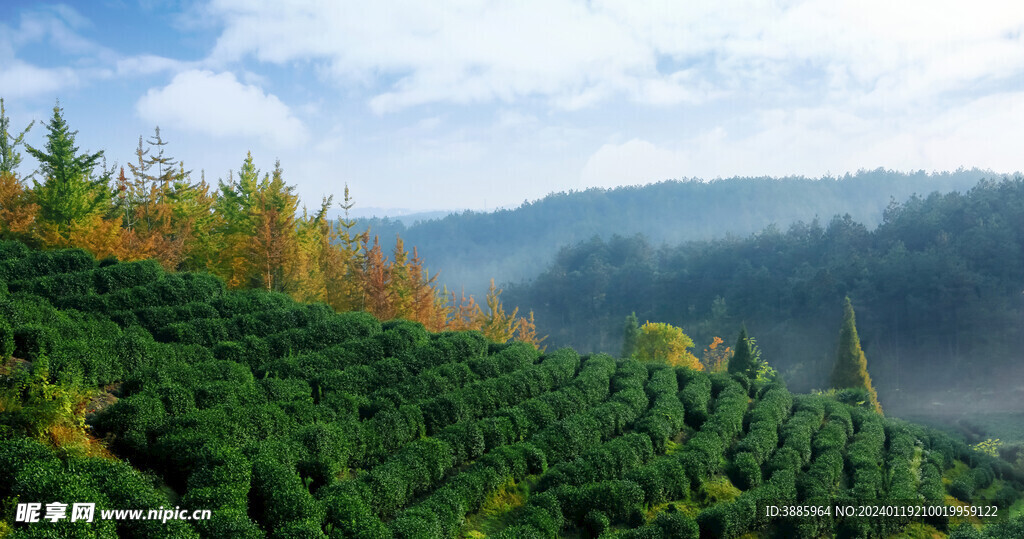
(291,420)
(516,244)
(937,284)
(246,230)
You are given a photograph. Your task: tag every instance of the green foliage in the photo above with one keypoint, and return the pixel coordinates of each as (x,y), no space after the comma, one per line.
(9,156)
(69,192)
(744,361)
(851,367)
(630,335)
(664,343)
(6,340)
(296,422)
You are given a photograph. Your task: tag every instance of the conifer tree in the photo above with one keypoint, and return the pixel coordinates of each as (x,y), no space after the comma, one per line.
(272,249)
(464,313)
(9,156)
(851,366)
(69,193)
(428,306)
(629,335)
(494,323)
(236,226)
(526,331)
(743,360)
(313,242)
(402,291)
(344,262)
(377,280)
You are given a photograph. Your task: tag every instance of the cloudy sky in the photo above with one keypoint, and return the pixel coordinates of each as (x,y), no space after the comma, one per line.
(481,104)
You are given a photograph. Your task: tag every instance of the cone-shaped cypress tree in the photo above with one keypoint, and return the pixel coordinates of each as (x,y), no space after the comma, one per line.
(629,335)
(851,367)
(742,361)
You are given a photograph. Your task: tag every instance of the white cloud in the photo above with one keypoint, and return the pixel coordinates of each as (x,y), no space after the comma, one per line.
(19,79)
(576,54)
(984,133)
(221,106)
(148,64)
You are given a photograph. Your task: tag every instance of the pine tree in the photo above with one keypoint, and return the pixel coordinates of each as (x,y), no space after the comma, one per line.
(464,313)
(494,323)
(272,250)
(526,331)
(69,193)
(313,240)
(629,335)
(344,261)
(9,156)
(402,290)
(851,366)
(427,304)
(743,360)
(377,281)
(236,226)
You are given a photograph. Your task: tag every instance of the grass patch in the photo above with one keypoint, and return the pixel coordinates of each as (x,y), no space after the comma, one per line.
(990,492)
(956,521)
(493,515)
(718,489)
(689,508)
(952,474)
(1017,508)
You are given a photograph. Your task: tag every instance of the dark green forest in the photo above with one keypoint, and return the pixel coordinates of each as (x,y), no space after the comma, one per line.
(939,289)
(131,387)
(515,244)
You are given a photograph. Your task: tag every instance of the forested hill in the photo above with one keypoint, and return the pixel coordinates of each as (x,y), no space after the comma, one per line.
(937,285)
(510,245)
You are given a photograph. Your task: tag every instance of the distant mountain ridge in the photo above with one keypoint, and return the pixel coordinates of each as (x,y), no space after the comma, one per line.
(512,245)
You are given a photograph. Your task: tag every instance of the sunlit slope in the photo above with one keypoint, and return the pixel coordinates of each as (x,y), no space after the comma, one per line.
(289,420)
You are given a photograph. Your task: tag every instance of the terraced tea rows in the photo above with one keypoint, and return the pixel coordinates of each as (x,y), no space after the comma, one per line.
(289,420)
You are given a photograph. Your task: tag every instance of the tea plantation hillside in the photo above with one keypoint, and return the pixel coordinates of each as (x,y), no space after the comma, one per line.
(133,388)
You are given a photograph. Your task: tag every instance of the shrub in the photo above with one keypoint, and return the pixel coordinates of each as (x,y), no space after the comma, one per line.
(596,522)
(677,525)
(126,275)
(745,471)
(695,395)
(962,489)
(33,341)
(6,340)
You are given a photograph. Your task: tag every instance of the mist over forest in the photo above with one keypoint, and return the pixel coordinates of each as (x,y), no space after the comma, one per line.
(937,286)
(511,245)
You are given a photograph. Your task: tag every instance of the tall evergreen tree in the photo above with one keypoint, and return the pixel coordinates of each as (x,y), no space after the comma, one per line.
(494,323)
(9,156)
(851,366)
(69,193)
(743,360)
(629,335)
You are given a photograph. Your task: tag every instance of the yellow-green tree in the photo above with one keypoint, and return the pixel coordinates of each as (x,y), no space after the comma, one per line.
(665,343)
(494,323)
(344,260)
(272,249)
(851,367)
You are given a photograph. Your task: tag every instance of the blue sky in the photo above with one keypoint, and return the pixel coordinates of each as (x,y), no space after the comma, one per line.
(477,104)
